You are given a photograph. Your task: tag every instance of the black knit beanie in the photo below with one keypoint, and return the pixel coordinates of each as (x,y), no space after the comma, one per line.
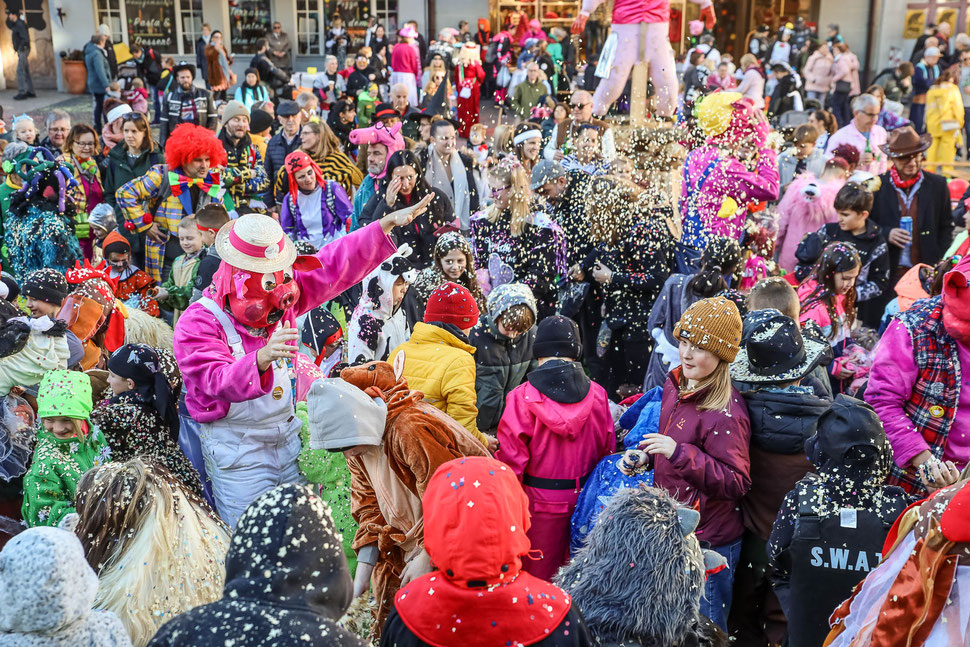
(47,285)
(557,337)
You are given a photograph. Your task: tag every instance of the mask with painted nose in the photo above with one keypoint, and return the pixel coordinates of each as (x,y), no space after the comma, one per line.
(261,300)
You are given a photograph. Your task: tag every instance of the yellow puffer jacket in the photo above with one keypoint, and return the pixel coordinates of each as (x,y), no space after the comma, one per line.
(944,104)
(443,368)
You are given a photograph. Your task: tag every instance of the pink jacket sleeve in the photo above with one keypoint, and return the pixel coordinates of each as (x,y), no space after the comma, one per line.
(206,361)
(602,421)
(515,433)
(722,469)
(891,382)
(736,181)
(346,261)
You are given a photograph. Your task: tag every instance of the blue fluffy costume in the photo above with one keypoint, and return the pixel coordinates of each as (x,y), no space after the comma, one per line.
(39,230)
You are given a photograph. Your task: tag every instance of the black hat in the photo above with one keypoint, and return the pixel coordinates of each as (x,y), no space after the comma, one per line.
(183,65)
(259,120)
(384,111)
(557,336)
(288,108)
(773,350)
(13,288)
(849,434)
(319,329)
(47,285)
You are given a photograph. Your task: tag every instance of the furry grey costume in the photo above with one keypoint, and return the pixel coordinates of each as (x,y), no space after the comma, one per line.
(638,579)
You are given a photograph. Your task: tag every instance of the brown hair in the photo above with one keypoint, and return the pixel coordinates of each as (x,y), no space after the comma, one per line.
(950,74)
(828,119)
(76,131)
(141,123)
(328,144)
(518,319)
(806,133)
(212,216)
(774,292)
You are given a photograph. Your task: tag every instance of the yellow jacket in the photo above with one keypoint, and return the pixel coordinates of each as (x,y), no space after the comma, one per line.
(944,104)
(442,367)
(260,143)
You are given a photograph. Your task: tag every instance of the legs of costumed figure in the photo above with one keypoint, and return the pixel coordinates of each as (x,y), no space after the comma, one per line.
(659,55)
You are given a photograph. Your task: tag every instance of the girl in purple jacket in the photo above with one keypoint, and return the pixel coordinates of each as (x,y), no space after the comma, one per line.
(700,455)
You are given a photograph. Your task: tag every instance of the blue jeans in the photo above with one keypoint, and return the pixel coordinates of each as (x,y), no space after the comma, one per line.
(191,446)
(716,603)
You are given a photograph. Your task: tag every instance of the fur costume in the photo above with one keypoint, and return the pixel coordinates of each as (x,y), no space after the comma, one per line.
(29,347)
(39,230)
(377,326)
(639,577)
(417,439)
(806,206)
(917,590)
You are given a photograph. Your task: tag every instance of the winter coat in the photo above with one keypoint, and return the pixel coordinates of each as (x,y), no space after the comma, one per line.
(785,97)
(276,151)
(133,429)
(172,110)
(526,96)
(845,67)
(47,590)
(442,366)
(675,297)
(120,170)
(500,363)
(286,581)
(819,313)
(241,157)
(752,86)
(19,36)
(873,251)
(944,103)
(213,377)
(817,71)
(787,162)
(58,465)
(710,465)
(420,234)
(781,421)
(535,257)
(99,72)
(251,95)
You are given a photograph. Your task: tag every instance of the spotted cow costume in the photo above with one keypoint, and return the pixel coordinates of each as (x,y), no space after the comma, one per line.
(378,324)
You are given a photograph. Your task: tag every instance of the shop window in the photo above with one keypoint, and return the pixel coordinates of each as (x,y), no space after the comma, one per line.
(109,13)
(249,21)
(309,26)
(152,23)
(385,11)
(190,21)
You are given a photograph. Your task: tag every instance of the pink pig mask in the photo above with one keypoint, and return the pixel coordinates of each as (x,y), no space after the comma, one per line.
(380,134)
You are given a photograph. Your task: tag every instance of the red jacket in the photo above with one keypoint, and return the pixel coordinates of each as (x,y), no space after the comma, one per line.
(710,466)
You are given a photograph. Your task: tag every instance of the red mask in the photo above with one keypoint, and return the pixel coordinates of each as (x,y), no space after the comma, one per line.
(261,300)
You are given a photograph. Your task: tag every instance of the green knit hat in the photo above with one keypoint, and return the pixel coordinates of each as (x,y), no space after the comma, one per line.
(64,394)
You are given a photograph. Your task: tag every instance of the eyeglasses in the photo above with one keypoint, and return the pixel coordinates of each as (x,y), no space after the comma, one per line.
(578,106)
(870,114)
(85,144)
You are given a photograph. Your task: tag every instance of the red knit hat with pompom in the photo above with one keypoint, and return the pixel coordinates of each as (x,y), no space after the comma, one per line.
(451,303)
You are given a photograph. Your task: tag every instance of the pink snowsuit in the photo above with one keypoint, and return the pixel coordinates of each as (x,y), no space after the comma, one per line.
(540,437)
(629,16)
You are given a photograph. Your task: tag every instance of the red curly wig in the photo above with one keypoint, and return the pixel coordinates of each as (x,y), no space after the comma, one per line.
(188,142)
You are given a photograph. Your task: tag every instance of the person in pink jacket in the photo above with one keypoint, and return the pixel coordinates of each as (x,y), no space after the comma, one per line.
(236,347)
(406,64)
(555,428)
(818,74)
(641,28)
(534,31)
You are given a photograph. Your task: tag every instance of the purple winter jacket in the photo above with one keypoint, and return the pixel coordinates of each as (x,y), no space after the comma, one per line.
(710,465)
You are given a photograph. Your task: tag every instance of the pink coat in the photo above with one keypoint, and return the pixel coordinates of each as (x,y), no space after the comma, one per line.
(846,68)
(631,12)
(805,208)
(404,59)
(213,378)
(541,437)
(818,72)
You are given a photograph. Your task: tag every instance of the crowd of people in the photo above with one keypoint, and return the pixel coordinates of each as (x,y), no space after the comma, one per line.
(261,354)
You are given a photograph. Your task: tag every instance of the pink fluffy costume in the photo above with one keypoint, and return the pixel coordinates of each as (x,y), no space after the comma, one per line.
(248,428)
(717,188)
(641,28)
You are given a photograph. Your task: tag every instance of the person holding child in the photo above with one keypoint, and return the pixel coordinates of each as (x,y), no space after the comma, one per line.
(67,446)
(701,452)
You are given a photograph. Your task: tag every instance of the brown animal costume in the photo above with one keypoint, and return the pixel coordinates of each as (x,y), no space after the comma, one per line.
(387,483)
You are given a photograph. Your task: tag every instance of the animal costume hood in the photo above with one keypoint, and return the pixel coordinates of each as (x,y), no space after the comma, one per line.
(379,134)
(376,325)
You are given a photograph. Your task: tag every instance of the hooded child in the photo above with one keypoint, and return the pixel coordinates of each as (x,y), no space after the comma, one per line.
(503,341)
(47,593)
(452,260)
(475,598)
(141,416)
(286,580)
(701,452)
(158,549)
(439,360)
(393,442)
(314,209)
(379,322)
(554,430)
(68,445)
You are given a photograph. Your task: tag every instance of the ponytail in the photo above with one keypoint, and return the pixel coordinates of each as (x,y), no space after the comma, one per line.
(722,256)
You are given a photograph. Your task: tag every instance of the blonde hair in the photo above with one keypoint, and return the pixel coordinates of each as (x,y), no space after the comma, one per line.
(158,550)
(479,128)
(714,390)
(328,144)
(502,138)
(438,65)
(513,175)
(748,59)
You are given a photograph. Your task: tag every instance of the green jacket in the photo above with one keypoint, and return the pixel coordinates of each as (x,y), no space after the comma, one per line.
(526,96)
(51,482)
(179,296)
(329,469)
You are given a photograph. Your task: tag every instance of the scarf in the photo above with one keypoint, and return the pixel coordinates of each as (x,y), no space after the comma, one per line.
(457,190)
(907,189)
(88,167)
(142,365)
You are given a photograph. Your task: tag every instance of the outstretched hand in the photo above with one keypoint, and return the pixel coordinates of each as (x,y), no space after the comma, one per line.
(579,25)
(405,216)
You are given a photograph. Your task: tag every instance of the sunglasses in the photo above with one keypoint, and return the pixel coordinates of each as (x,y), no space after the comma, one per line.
(132,116)
(578,106)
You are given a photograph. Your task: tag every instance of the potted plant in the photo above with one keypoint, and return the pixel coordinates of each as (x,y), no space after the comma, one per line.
(73,72)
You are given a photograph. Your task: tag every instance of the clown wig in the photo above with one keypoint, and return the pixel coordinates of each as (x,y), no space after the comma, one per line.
(157,548)
(188,141)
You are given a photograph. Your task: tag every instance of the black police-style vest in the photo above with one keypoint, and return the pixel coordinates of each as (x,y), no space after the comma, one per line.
(829,556)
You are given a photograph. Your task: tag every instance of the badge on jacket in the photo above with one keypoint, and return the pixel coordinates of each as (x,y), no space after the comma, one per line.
(937,411)
(278,393)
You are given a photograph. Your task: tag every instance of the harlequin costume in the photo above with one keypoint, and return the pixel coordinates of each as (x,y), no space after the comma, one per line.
(132,285)
(250,436)
(717,188)
(164,195)
(388,480)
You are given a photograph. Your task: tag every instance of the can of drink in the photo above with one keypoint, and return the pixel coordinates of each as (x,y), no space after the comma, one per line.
(906,223)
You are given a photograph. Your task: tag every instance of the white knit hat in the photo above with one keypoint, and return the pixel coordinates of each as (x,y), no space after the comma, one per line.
(341,415)
(118,112)
(255,243)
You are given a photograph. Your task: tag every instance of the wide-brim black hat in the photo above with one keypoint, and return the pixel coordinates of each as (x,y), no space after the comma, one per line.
(773,350)
(183,65)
